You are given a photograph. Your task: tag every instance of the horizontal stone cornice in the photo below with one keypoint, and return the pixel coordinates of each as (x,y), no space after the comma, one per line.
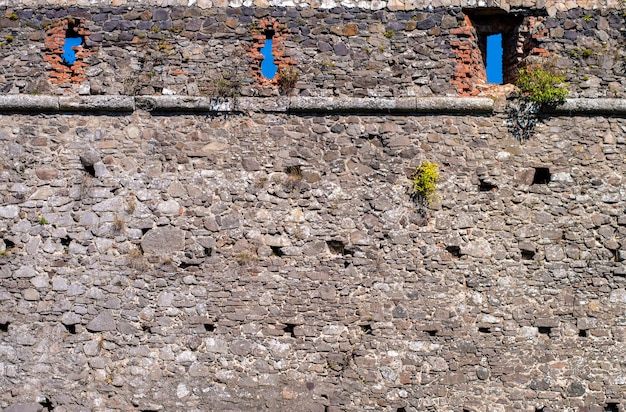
(295,104)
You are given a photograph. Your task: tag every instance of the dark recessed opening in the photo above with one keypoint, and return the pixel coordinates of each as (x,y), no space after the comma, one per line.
(542,176)
(144,231)
(431,332)
(582,333)
(611,407)
(367,329)
(400,410)
(4,327)
(209,327)
(276,250)
(146,328)
(486,187)
(539,409)
(8,243)
(208,251)
(90,169)
(289,328)
(47,404)
(71,329)
(528,254)
(498,40)
(65,241)
(545,330)
(454,250)
(484,330)
(336,247)
(72,39)
(268,67)
(616,255)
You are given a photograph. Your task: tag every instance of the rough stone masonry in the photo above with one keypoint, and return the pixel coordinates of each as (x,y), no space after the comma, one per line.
(165,247)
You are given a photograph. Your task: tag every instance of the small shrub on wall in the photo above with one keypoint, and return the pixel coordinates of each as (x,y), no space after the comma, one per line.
(423,182)
(542,84)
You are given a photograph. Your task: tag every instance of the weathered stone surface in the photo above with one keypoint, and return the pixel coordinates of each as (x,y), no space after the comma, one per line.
(89,158)
(25,407)
(104,321)
(9,212)
(163,241)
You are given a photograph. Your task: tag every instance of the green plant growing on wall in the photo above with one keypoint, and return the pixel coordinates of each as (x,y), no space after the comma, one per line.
(542,84)
(423,182)
(227,85)
(388,34)
(287,77)
(42,220)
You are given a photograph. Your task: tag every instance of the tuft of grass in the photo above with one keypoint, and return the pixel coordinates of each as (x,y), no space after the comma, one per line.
(388,34)
(42,220)
(287,78)
(294,172)
(119,224)
(226,86)
(137,260)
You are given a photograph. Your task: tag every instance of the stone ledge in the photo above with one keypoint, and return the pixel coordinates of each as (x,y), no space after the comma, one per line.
(297,104)
(97,104)
(402,105)
(590,106)
(28,103)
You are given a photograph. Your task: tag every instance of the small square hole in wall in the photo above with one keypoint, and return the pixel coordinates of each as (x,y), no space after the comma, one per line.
(583,333)
(611,407)
(545,330)
(542,176)
(528,254)
(486,187)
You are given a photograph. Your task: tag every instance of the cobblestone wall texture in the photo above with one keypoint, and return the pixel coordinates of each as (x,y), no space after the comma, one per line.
(277,261)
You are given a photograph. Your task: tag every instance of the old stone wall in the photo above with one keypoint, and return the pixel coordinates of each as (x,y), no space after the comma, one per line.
(276,261)
(178,233)
(339,51)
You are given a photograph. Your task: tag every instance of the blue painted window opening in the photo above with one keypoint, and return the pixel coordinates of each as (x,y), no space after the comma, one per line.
(72,39)
(69,55)
(494,59)
(268,68)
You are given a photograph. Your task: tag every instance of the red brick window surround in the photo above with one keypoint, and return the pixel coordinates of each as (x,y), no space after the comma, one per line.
(278,33)
(521,38)
(60,72)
